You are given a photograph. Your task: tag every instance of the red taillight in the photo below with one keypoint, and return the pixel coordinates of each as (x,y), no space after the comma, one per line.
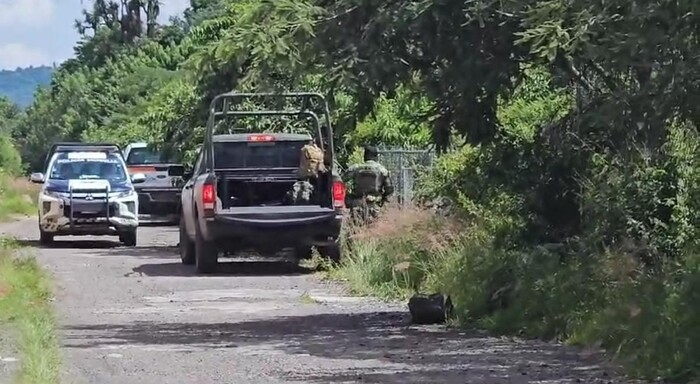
(208,199)
(259,138)
(338,194)
(208,194)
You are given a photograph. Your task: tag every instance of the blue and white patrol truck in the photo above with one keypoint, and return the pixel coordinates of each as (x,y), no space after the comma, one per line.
(86,190)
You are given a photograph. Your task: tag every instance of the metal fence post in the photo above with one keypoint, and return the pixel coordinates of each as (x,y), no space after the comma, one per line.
(402,164)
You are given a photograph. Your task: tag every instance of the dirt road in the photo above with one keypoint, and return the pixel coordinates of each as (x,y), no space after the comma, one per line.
(136,315)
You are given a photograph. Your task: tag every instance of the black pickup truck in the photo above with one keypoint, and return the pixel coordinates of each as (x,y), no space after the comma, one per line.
(237,198)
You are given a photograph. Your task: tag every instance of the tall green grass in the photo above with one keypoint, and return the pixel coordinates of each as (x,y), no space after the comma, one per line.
(25,310)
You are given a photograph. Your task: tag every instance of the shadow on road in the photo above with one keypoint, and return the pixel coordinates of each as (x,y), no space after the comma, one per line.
(233,268)
(376,348)
(149,252)
(74,244)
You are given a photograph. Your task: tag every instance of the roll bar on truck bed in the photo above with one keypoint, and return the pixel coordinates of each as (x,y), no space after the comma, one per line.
(223,106)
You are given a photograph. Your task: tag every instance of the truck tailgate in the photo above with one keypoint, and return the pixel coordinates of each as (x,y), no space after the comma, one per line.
(274,216)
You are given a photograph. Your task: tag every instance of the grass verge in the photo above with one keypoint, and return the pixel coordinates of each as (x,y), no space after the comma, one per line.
(649,320)
(25,310)
(17,196)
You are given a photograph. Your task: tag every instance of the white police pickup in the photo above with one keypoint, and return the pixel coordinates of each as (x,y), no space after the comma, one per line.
(87,193)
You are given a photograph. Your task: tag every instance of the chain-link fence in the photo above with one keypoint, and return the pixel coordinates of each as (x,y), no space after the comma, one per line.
(403,165)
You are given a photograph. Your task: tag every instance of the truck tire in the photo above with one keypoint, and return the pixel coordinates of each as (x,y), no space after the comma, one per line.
(45,238)
(186,246)
(304,252)
(331,252)
(128,238)
(206,254)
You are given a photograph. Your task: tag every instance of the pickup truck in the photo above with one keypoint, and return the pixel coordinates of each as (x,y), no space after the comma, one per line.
(237,197)
(159,194)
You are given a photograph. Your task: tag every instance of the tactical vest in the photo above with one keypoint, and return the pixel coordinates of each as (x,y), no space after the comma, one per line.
(367,181)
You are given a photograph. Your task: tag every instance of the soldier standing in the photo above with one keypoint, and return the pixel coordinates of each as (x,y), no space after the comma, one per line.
(369,186)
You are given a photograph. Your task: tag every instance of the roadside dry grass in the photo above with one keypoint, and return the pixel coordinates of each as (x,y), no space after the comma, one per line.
(17,196)
(397,255)
(25,310)
(647,319)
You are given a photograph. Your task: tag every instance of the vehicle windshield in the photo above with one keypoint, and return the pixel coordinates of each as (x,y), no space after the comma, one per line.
(138,156)
(71,166)
(281,154)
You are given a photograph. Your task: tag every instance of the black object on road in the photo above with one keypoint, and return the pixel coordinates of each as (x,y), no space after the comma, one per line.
(430,309)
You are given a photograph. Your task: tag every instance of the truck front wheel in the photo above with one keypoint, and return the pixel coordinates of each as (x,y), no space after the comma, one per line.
(45,238)
(206,253)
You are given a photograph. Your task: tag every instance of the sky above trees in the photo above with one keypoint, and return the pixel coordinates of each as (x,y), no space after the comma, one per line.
(41,32)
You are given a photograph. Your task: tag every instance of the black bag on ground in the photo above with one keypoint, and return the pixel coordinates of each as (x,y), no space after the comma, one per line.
(430,309)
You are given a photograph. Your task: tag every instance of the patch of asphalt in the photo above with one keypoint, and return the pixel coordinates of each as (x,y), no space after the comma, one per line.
(132,315)
(9,356)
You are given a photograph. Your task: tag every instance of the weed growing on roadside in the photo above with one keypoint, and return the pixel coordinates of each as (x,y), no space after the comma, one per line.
(17,196)
(25,306)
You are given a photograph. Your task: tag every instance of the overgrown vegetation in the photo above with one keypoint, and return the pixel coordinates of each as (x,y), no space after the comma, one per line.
(25,312)
(16,196)
(569,134)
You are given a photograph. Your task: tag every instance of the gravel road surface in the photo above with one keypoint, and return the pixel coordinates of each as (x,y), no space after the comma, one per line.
(136,315)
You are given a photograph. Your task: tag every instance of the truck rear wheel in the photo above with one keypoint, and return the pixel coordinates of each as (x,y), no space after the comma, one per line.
(206,253)
(331,252)
(128,238)
(187,250)
(304,252)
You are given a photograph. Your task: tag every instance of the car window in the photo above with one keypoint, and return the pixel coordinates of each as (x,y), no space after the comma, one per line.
(71,166)
(282,154)
(138,156)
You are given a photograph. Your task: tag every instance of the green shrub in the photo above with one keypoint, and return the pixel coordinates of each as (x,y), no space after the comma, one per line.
(10,159)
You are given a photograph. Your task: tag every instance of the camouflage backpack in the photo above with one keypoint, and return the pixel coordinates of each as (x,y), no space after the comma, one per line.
(367,180)
(311,161)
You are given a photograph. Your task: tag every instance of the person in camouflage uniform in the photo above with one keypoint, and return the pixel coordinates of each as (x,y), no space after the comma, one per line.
(369,186)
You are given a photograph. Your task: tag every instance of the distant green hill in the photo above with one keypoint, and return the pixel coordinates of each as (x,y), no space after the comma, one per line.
(19,85)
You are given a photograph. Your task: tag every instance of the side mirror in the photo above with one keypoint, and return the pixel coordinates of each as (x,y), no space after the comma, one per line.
(176,171)
(37,178)
(138,178)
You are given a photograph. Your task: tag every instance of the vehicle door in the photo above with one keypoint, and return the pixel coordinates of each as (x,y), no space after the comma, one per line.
(187,197)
